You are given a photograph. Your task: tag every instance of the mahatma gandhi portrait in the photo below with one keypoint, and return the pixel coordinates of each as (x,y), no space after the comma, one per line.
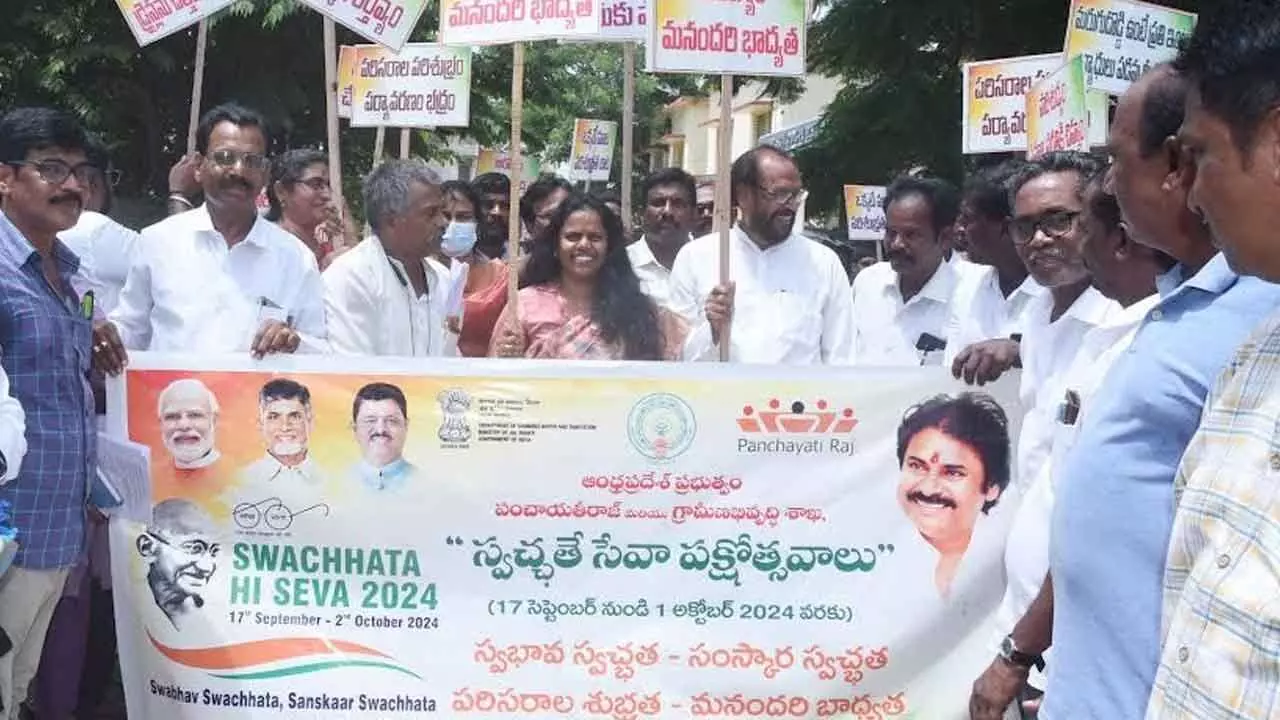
(178,545)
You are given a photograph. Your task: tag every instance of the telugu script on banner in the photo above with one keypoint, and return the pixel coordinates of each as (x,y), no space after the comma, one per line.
(1121,39)
(493,22)
(423,85)
(150,20)
(591,157)
(337,539)
(995,101)
(864,208)
(1057,111)
(385,22)
(751,37)
(347,55)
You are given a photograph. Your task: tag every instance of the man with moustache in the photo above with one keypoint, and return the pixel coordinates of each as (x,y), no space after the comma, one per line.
(900,307)
(954,456)
(669,197)
(495,192)
(182,557)
(991,302)
(705,214)
(1221,623)
(219,278)
(1104,611)
(45,333)
(789,300)
(380,420)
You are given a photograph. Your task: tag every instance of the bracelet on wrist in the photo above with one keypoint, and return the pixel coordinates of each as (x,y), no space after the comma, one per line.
(179,197)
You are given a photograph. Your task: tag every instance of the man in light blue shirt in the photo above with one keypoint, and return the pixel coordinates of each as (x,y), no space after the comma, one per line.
(1114,508)
(380,419)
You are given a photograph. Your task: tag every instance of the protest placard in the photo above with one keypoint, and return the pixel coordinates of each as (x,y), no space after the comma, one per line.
(385,22)
(995,101)
(377,538)
(591,157)
(864,209)
(495,22)
(423,85)
(748,38)
(347,55)
(150,20)
(1057,111)
(1121,39)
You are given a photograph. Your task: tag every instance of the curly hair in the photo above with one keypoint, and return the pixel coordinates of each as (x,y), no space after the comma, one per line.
(624,314)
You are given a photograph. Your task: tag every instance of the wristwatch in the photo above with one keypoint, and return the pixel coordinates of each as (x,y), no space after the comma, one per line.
(1010,653)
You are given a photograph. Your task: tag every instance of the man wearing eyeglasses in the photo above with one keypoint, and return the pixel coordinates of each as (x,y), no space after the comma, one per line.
(219,278)
(45,331)
(178,546)
(788,301)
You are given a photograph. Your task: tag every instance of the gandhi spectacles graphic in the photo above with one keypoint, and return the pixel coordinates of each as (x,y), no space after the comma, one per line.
(271,512)
(228,159)
(56,172)
(1056,224)
(195,547)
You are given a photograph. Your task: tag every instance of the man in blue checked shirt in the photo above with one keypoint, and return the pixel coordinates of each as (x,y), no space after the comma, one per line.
(46,331)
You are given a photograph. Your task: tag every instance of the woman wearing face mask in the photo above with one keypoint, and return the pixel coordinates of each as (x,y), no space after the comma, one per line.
(484,290)
(581,299)
(302,203)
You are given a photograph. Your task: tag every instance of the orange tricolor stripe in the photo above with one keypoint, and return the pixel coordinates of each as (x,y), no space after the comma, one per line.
(260,652)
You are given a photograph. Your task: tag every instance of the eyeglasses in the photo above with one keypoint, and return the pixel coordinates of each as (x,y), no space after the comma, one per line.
(316,184)
(228,159)
(191,547)
(1055,224)
(56,172)
(782,197)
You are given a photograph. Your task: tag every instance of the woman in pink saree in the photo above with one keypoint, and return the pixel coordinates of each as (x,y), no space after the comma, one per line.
(580,299)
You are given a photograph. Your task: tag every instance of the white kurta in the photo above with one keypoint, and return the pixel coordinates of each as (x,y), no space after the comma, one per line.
(106,250)
(371,309)
(791,304)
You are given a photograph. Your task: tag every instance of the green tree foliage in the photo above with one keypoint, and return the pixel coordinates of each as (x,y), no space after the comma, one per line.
(900,61)
(80,55)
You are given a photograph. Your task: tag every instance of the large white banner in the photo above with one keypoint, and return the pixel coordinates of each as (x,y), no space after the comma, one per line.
(371,539)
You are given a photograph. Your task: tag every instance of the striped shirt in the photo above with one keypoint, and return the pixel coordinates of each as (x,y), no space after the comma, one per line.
(1221,618)
(47,342)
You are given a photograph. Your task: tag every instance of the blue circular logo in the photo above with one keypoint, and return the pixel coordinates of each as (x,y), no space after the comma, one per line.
(661,426)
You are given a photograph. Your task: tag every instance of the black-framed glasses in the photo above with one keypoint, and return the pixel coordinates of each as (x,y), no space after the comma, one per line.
(56,172)
(1055,223)
(782,197)
(195,547)
(228,159)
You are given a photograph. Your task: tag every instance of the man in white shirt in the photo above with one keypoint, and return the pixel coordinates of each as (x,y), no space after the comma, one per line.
(386,296)
(219,278)
(788,296)
(13,431)
(104,246)
(901,306)
(670,197)
(991,302)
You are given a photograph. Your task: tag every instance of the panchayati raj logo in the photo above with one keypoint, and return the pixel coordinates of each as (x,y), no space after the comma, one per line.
(661,426)
(778,428)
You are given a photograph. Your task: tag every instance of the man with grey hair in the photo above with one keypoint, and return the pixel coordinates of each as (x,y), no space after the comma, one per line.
(386,296)
(181,552)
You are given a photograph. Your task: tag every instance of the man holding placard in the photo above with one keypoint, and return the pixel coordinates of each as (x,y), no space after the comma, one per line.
(789,299)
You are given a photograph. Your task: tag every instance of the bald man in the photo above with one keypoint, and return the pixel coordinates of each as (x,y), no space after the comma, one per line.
(179,546)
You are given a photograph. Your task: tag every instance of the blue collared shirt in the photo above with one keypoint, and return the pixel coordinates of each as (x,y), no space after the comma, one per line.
(47,342)
(1114,508)
(390,478)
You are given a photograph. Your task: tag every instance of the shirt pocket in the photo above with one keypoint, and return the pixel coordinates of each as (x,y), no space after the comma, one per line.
(792,316)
